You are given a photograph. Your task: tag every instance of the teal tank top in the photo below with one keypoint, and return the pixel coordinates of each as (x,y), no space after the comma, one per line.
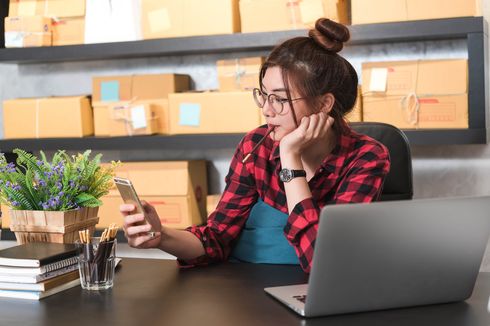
(262,240)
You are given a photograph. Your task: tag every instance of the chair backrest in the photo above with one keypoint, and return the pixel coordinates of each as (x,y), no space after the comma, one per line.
(398,183)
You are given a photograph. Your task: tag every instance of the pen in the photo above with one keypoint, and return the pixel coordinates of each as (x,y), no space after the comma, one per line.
(258,144)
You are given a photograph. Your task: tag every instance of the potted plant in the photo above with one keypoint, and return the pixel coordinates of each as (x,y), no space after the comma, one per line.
(51,200)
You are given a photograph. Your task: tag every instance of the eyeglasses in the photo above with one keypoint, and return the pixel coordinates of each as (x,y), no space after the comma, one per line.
(276,102)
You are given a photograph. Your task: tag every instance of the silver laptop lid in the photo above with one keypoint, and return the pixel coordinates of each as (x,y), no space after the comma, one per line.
(396,254)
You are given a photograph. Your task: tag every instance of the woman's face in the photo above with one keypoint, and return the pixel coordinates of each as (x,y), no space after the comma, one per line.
(283,122)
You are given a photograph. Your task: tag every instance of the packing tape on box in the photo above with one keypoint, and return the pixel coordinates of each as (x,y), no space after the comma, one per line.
(410,106)
(133,119)
(293,6)
(239,72)
(38,107)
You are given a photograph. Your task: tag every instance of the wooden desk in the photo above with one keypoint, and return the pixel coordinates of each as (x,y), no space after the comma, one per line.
(156,292)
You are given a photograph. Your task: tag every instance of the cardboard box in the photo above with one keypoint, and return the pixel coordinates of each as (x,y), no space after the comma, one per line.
(50,8)
(128,119)
(212,112)
(212,202)
(276,15)
(433,111)
(112,21)
(159,108)
(435,9)
(177,189)
(68,17)
(48,117)
(137,87)
(69,31)
(381,11)
(27,31)
(356,114)
(416,94)
(169,18)
(101,120)
(239,74)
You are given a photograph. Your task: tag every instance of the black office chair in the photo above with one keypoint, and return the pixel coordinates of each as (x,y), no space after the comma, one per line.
(398,183)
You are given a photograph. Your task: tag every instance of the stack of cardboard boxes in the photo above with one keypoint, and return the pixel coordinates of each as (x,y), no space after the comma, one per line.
(170,18)
(177,190)
(134,105)
(44,23)
(381,11)
(58,22)
(277,15)
(416,94)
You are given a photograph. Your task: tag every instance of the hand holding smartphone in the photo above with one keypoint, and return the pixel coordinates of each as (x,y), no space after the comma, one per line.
(129,195)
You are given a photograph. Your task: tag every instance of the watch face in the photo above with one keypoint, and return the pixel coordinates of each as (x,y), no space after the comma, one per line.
(285,175)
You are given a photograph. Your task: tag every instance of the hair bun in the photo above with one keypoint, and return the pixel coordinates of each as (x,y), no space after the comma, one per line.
(329,34)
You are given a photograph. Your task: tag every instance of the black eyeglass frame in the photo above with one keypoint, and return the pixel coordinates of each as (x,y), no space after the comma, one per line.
(269,98)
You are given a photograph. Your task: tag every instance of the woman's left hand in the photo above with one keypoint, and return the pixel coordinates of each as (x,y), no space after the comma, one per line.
(310,129)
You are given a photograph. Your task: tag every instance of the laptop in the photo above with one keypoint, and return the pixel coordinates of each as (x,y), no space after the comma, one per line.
(392,254)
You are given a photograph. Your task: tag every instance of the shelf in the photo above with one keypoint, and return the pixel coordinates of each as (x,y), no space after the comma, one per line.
(453,28)
(179,142)
(199,142)
(472,29)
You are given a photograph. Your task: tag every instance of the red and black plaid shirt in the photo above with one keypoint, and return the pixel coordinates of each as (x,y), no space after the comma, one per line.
(353,173)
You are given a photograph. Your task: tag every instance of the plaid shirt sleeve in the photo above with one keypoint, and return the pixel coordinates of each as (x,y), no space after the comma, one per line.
(226,222)
(362,183)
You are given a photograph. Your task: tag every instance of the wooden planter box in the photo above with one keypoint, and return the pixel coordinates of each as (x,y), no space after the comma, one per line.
(52,226)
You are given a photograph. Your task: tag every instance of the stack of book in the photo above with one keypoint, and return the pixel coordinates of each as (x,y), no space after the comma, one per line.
(37,270)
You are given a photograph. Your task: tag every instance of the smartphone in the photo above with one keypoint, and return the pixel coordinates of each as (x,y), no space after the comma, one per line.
(128,193)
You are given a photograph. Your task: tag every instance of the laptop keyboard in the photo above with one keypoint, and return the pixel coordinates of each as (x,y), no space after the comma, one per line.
(301,298)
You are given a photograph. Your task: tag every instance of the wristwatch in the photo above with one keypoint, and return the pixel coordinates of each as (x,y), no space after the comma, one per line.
(286,175)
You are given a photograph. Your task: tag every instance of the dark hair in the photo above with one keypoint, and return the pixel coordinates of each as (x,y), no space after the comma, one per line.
(313,67)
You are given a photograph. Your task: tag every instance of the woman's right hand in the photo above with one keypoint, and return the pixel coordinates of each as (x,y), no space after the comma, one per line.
(137,229)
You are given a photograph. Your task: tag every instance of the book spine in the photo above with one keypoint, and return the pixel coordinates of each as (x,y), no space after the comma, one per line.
(59,264)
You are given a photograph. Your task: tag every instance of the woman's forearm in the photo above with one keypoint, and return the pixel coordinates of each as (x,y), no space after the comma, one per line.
(182,244)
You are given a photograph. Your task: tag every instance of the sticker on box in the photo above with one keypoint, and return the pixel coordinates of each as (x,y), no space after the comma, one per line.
(159,20)
(14,39)
(190,114)
(379,80)
(109,91)
(138,117)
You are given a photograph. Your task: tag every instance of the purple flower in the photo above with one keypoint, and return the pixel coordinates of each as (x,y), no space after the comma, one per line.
(59,185)
(45,206)
(72,184)
(16,187)
(15,203)
(7,183)
(42,183)
(11,167)
(39,162)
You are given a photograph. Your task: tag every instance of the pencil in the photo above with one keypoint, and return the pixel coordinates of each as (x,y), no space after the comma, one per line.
(257,145)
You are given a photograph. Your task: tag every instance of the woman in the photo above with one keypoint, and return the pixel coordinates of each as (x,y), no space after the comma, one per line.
(284,172)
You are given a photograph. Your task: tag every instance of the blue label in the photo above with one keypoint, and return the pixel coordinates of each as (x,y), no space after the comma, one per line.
(109,91)
(190,114)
